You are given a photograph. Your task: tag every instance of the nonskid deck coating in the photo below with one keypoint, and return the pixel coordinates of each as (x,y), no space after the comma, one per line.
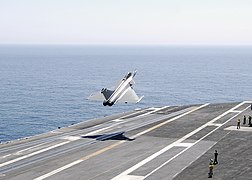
(166,146)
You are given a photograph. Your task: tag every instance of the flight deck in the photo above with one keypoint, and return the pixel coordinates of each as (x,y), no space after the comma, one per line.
(169,142)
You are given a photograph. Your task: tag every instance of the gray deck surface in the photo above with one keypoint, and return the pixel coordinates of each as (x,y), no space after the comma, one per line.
(158,143)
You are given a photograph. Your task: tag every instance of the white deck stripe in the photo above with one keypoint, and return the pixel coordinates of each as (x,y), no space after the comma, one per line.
(32,154)
(214,124)
(71,138)
(157,109)
(130,177)
(100,130)
(143,162)
(49,148)
(21,151)
(184,144)
(132,114)
(199,139)
(58,170)
(170,120)
(120,121)
(234,128)
(235,111)
(5,156)
(83,159)
(78,161)
(117,120)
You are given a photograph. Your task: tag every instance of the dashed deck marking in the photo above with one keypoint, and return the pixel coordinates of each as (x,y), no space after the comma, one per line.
(235,111)
(143,162)
(111,146)
(32,154)
(131,177)
(201,137)
(170,120)
(214,124)
(78,161)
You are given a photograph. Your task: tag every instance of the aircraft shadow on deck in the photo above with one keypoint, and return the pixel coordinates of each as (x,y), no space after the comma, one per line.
(112,136)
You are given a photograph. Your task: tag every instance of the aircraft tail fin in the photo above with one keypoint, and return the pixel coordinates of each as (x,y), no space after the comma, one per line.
(106,93)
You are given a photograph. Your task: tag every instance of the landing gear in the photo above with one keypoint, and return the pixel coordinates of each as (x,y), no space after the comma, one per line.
(105,103)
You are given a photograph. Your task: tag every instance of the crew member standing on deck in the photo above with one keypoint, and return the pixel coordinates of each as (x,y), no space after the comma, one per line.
(249,119)
(215,157)
(238,123)
(244,119)
(211,166)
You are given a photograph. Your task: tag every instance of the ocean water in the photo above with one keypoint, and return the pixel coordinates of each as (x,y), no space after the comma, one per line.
(45,87)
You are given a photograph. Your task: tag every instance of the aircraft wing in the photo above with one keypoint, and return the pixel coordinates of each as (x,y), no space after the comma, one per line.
(98,96)
(130,96)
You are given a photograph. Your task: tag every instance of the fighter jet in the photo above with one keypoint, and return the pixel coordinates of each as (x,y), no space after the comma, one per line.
(122,92)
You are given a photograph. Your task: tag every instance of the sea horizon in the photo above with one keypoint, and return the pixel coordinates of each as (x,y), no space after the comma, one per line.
(46,86)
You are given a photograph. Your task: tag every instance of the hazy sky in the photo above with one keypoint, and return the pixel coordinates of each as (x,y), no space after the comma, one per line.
(126,21)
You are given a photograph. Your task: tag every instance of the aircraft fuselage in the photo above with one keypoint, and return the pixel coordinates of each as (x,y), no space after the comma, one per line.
(120,90)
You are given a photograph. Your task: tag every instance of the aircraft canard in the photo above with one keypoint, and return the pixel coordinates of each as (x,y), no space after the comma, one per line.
(122,92)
